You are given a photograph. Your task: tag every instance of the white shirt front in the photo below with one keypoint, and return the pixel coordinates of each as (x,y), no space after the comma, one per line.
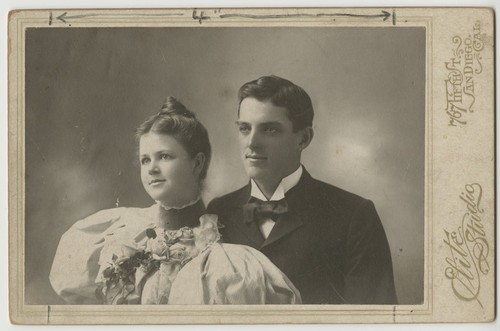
(284,186)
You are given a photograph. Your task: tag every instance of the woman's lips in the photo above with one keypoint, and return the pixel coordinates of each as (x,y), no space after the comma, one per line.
(155,182)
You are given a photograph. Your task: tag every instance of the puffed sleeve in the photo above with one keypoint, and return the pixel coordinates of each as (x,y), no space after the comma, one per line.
(76,262)
(232,274)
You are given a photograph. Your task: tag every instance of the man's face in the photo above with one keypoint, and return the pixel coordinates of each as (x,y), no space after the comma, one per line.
(270,150)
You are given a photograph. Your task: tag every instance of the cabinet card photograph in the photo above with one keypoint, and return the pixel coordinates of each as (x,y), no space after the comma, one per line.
(213,166)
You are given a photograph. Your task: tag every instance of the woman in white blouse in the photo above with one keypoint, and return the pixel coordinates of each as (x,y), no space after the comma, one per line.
(170,252)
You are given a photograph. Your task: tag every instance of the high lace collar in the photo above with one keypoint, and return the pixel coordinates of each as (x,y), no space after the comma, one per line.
(176,218)
(190,203)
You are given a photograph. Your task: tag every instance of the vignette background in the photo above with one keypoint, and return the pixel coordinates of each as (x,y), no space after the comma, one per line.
(88,89)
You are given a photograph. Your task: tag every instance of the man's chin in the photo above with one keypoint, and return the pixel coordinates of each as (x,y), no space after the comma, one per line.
(253,171)
(257,175)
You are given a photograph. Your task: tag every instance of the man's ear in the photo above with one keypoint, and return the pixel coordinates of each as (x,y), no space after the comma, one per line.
(307,135)
(199,163)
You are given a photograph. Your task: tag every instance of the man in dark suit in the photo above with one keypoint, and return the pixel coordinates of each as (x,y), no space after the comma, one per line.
(329,242)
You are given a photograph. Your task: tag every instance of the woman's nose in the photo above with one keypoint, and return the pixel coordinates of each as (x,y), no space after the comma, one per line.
(153,168)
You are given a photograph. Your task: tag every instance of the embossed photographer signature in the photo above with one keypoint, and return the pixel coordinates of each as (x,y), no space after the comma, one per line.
(469,248)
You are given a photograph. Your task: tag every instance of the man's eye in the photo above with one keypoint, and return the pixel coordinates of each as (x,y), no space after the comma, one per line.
(272,130)
(145,160)
(244,128)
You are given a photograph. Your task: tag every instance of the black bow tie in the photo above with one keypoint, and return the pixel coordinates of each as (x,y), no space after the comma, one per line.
(255,209)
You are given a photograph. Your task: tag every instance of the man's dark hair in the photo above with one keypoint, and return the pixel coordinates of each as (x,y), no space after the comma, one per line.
(281,93)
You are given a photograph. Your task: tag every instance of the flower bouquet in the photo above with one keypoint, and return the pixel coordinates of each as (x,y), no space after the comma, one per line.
(144,275)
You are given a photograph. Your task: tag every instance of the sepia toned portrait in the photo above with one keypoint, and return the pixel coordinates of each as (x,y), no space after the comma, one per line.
(203,163)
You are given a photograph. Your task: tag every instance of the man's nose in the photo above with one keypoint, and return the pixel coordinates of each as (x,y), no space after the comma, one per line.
(254,139)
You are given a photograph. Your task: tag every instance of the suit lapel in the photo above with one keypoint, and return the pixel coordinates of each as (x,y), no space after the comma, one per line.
(286,224)
(298,208)
(250,230)
(297,199)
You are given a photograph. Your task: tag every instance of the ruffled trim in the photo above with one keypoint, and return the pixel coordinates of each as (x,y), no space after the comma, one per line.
(191,203)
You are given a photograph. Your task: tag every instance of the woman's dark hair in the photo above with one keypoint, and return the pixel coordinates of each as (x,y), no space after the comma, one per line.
(281,93)
(175,120)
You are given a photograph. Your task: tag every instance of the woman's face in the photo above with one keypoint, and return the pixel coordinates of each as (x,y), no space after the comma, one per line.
(168,173)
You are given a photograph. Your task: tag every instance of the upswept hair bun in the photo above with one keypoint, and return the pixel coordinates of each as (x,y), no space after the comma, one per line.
(175,120)
(172,106)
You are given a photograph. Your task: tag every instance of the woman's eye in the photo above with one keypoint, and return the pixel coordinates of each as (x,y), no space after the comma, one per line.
(165,156)
(145,160)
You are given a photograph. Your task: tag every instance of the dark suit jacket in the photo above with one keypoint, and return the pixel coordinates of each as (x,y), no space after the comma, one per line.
(331,243)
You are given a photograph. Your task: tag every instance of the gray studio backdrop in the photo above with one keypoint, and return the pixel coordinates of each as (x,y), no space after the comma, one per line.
(88,89)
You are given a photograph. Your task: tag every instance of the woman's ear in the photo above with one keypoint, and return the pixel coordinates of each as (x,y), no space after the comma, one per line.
(199,163)
(307,135)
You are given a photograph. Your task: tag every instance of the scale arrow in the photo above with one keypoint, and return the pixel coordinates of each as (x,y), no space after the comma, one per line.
(64,16)
(384,14)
